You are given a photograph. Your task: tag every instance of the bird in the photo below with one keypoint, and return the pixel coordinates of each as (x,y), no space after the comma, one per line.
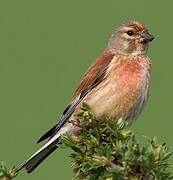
(116,85)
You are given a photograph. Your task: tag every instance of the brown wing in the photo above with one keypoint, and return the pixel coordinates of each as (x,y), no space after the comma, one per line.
(95,71)
(91,79)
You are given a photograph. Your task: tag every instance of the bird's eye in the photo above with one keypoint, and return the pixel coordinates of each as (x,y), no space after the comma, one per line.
(130,33)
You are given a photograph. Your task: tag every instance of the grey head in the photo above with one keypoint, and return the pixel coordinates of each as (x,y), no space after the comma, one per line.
(130,38)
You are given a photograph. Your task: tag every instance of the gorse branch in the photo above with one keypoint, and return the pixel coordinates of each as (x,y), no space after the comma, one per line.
(107,150)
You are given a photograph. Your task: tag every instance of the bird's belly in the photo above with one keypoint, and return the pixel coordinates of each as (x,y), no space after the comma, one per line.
(119,100)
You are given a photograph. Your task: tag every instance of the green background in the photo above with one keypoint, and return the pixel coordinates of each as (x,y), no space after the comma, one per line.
(45,47)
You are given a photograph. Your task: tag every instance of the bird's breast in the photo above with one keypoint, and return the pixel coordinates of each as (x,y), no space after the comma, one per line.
(124,91)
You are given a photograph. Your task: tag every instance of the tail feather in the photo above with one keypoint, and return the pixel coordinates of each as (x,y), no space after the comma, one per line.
(43,152)
(34,161)
(38,158)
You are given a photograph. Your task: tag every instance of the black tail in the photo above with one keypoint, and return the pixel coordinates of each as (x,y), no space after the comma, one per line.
(38,157)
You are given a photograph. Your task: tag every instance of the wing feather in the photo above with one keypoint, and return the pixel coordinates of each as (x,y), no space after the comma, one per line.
(91,79)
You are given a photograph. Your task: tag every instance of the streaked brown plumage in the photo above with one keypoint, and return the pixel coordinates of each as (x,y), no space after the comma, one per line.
(100,65)
(116,85)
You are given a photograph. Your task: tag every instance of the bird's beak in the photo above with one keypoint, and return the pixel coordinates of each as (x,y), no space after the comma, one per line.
(146,37)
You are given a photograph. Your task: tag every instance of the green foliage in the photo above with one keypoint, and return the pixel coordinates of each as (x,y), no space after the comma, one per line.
(5,173)
(107,150)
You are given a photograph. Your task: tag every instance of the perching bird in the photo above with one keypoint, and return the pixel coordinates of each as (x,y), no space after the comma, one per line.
(116,85)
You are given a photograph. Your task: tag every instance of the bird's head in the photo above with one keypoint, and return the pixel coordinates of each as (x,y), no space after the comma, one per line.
(130,38)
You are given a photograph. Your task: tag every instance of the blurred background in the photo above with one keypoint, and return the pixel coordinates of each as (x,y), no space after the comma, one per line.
(46,46)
